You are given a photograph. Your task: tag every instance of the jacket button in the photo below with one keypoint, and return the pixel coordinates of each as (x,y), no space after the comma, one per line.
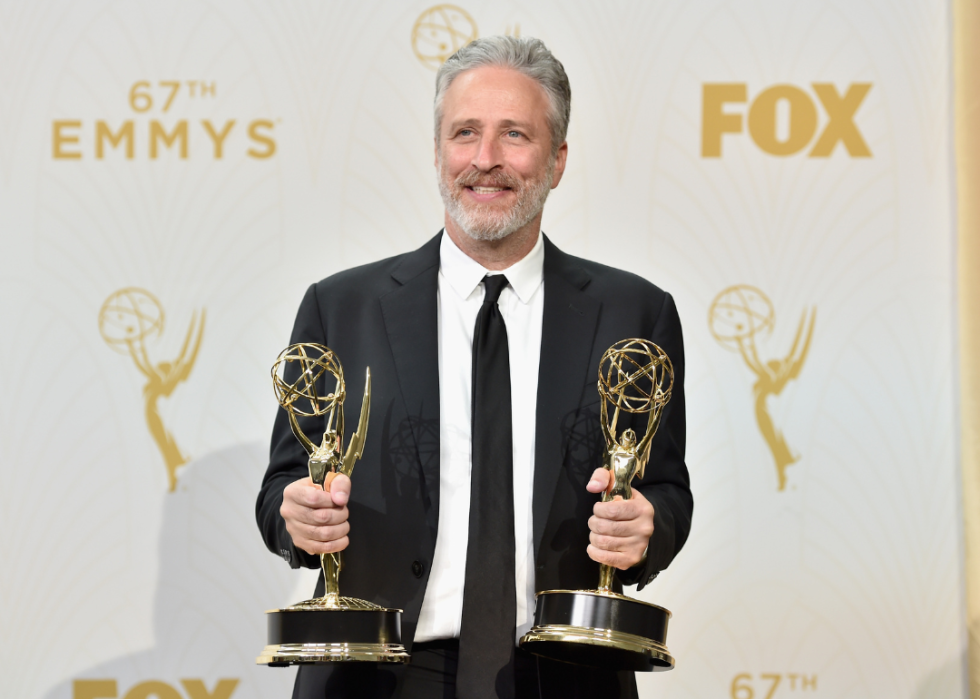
(417,569)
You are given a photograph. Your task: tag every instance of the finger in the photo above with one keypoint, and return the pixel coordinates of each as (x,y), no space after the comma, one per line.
(318,547)
(611,558)
(339,488)
(328,533)
(599,481)
(618,509)
(325,513)
(612,543)
(323,517)
(314,539)
(336,545)
(305,494)
(306,533)
(610,527)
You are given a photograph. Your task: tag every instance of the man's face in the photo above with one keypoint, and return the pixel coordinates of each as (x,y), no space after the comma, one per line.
(493,153)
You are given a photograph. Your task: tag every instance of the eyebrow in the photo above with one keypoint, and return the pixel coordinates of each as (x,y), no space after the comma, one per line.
(465,122)
(474,121)
(511,122)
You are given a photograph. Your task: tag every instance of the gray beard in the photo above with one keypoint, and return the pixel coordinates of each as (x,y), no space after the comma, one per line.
(481,222)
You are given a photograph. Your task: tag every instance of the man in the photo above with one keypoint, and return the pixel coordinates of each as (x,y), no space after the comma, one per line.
(479,480)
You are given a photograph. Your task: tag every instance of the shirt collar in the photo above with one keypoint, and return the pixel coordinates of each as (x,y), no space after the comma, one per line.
(465,274)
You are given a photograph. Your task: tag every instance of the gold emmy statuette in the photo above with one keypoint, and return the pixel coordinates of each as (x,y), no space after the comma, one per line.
(330,628)
(601,627)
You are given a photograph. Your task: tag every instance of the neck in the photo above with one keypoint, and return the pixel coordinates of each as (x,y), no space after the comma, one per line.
(500,254)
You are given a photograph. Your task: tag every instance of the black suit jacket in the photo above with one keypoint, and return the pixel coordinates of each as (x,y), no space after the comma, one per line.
(384,315)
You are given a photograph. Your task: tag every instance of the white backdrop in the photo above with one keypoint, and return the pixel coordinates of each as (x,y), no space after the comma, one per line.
(846,583)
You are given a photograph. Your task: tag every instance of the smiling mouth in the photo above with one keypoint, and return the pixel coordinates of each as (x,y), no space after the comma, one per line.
(487,190)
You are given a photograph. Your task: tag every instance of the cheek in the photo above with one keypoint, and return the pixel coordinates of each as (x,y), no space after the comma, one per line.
(529,165)
(454,162)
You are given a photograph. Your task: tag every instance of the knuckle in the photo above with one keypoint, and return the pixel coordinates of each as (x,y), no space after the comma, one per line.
(330,515)
(614,559)
(330,533)
(606,543)
(336,545)
(596,555)
(323,535)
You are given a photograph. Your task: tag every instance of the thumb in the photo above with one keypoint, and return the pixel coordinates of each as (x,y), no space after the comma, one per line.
(599,481)
(339,486)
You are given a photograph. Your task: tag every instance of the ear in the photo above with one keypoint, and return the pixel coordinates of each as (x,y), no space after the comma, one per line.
(560,158)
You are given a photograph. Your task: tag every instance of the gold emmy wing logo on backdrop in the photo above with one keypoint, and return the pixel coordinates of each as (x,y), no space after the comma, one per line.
(129,318)
(738,316)
(801,118)
(442,30)
(439,32)
(161,133)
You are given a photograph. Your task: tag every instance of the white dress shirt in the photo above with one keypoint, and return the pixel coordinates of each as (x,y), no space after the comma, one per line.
(460,296)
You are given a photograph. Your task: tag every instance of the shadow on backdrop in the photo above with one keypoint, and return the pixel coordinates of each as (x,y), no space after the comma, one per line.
(215,581)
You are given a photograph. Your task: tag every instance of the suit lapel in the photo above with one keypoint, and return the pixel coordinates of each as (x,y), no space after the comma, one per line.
(411,321)
(567,336)
(568,329)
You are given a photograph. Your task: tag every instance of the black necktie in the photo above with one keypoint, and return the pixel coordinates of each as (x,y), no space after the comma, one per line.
(486,637)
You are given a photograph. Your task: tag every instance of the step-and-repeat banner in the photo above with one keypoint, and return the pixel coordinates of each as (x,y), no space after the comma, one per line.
(173,175)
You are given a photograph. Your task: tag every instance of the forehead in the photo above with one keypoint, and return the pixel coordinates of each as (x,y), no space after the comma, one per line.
(495,93)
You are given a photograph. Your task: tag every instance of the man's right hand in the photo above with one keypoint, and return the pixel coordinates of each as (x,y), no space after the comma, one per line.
(317,519)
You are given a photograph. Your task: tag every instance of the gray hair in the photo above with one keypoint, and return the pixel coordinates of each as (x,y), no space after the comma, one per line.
(524,54)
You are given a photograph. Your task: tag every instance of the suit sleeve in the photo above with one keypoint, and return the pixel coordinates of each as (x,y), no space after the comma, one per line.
(666,483)
(287,458)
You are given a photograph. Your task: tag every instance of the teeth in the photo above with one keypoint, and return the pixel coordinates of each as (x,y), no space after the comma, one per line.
(487,190)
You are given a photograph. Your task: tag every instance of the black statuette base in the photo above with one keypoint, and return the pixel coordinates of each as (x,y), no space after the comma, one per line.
(602,629)
(306,636)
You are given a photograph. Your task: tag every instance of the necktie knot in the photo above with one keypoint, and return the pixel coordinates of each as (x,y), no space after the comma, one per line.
(494,284)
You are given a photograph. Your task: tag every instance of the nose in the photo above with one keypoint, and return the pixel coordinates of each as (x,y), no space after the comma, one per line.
(488,154)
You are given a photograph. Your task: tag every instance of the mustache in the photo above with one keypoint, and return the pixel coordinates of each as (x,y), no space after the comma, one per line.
(474,178)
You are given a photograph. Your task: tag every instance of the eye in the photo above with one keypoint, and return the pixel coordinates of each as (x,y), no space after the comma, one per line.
(514,134)
(466,132)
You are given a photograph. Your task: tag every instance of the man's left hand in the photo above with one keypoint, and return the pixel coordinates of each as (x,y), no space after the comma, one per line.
(621,529)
